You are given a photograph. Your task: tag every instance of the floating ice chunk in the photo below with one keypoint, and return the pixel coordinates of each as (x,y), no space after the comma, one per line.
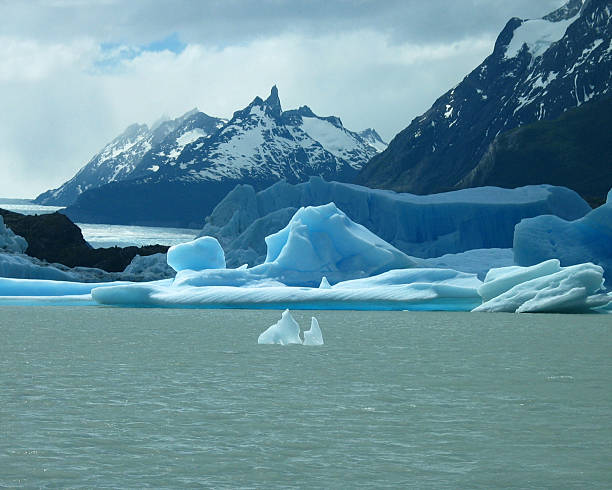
(324,283)
(408,289)
(199,254)
(314,335)
(9,242)
(572,242)
(498,281)
(321,241)
(285,331)
(574,289)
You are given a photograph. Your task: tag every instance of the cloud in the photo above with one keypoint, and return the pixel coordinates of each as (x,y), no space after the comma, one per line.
(74,74)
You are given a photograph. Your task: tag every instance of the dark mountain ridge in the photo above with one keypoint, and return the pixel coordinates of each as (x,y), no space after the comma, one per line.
(538,70)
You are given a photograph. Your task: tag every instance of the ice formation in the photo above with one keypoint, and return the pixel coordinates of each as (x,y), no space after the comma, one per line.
(314,335)
(409,289)
(572,242)
(543,288)
(199,254)
(420,226)
(285,331)
(478,261)
(9,242)
(323,241)
(22,266)
(148,268)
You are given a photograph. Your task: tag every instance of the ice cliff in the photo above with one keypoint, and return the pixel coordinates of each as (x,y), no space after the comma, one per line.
(420,226)
(572,242)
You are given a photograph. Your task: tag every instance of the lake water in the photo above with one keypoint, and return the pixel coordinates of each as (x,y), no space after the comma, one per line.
(104,397)
(100,235)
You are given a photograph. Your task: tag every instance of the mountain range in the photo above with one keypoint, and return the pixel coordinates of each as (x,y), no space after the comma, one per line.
(539,69)
(175,172)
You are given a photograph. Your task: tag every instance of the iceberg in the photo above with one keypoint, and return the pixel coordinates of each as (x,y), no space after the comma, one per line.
(9,242)
(478,261)
(319,246)
(199,254)
(572,242)
(314,335)
(410,289)
(285,331)
(543,288)
(22,266)
(323,241)
(419,226)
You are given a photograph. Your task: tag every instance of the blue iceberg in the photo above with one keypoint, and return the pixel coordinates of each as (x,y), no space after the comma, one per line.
(572,242)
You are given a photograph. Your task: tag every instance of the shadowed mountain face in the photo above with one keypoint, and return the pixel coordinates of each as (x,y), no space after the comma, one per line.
(174,174)
(574,150)
(538,70)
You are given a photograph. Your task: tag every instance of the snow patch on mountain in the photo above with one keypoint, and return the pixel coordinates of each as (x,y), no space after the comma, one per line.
(538,35)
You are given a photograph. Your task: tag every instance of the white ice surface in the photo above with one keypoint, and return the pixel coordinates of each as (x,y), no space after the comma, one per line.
(285,331)
(544,288)
(314,335)
(538,35)
(410,289)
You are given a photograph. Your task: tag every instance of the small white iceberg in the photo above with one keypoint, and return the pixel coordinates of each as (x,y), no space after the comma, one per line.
(285,331)
(314,335)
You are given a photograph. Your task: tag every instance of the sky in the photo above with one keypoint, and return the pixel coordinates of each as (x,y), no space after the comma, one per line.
(75,73)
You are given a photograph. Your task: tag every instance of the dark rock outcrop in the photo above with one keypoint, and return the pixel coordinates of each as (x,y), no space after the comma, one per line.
(54,238)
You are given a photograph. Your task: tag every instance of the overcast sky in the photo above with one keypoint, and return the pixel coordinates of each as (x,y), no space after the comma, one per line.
(75,73)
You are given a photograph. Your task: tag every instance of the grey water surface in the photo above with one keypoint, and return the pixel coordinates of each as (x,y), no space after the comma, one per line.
(104,397)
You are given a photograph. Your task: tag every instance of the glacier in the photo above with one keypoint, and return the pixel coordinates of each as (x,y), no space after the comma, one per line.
(420,226)
(543,288)
(323,260)
(572,242)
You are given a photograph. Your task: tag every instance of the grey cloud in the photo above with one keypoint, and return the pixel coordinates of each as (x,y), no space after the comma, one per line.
(222,22)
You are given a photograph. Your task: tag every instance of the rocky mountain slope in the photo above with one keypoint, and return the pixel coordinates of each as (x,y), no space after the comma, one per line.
(573,150)
(538,70)
(124,156)
(175,173)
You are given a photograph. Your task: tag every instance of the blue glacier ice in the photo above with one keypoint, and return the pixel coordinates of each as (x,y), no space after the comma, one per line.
(420,226)
(199,254)
(544,288)
(284,332)
(318,242)
(319,247)
(588,239)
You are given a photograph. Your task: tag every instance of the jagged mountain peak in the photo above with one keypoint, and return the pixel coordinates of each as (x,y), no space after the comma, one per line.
(260,144)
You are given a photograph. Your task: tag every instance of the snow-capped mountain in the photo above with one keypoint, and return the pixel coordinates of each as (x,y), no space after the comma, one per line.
(120,158)
(538,69)
(262,143)
(196,159)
